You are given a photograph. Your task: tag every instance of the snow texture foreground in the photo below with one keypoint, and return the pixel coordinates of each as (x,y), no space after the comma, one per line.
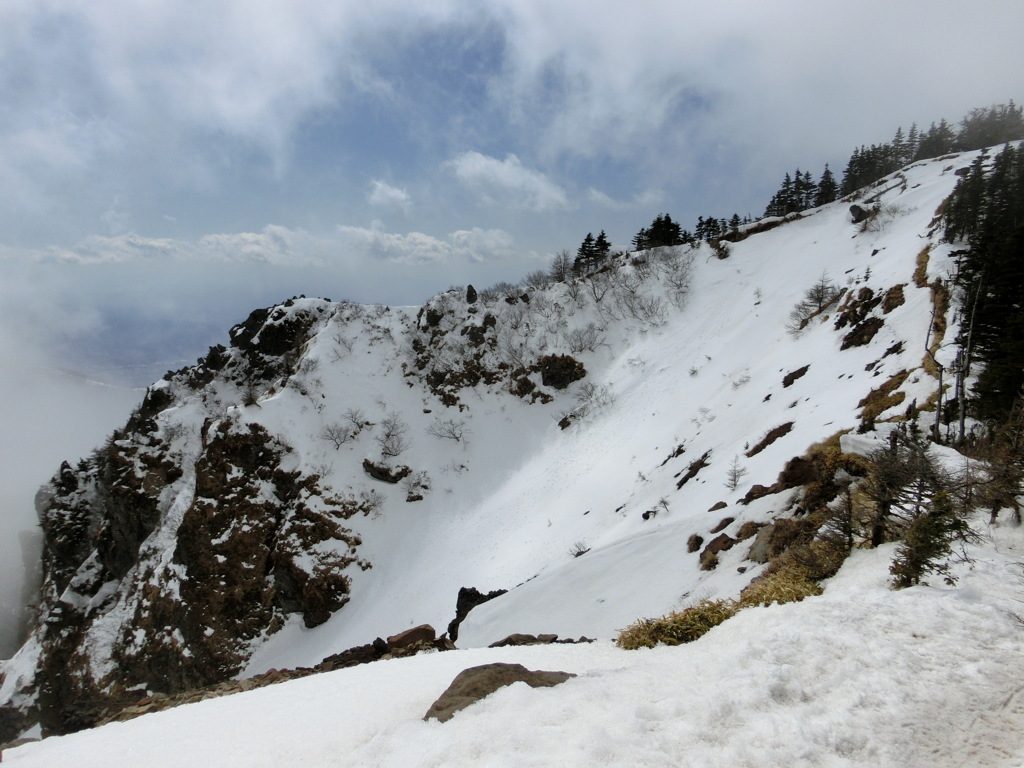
(860,676)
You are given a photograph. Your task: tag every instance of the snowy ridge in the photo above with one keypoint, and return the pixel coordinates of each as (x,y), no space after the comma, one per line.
(577,494)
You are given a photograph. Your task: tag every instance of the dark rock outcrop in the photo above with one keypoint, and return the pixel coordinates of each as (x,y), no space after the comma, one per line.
(468,599)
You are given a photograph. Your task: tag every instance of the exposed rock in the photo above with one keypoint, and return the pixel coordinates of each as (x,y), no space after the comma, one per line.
(759,549)
(748,529)
(757,491)
(424,633)
(862,333)
(385,474)
(13,723)
(695,466)
(559,371)
(709,557)
(792,376)
(717,506)
(859,213)
(523,639)
(473,684)
(694,543)
(468,599)
(724,523)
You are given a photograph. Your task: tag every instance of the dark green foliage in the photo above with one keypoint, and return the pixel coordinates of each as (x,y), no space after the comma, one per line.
(989,127)
(592,251)
(662,232)
(938,140)
(987,209)
(827,190)
(928,543)
(980,128)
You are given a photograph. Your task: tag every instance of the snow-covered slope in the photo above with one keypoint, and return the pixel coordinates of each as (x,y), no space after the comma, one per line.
(859,676)
(237,526)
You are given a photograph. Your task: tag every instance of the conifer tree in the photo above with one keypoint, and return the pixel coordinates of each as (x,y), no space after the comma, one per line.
(827,190)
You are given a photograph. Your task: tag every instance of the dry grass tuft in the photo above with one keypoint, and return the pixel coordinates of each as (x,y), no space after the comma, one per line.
(788,585)
(921,272)
(677,627)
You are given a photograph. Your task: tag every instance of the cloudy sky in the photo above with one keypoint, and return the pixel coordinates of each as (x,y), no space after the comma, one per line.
(166,166)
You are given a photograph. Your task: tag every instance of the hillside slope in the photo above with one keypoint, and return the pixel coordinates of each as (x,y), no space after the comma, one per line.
(341,471)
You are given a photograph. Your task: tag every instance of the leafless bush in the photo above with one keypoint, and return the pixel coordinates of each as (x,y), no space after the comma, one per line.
(449,429)
(677,271)
(537,280)
(415,486)
(392,437)
(515,315)
(560,270)
(627,281)
(647,309)
(599,283)
(337,433)
(819,297)
(584,339)
(371,502)
(356,417)
(341,348)
(573,288)
(498,291)
(579,549)
(590,397)
(512,348)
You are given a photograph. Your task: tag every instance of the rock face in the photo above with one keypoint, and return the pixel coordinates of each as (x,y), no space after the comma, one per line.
(172,550)
(476,683)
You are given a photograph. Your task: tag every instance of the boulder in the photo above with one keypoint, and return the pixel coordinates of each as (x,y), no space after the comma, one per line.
(518,638)
(424,633)
(859,213)
(759,550)
(476,683)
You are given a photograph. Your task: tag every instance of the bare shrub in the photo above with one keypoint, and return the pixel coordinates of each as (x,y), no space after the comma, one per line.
(449,429)
(498,291)
(392,437)
(537,280)
(677,272)
(646,309)
(356,417)
(818,298)
(337,433)
(599,284)
(579,549)
(586,339)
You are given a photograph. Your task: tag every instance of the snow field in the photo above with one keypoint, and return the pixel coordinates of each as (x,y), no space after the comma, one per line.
(929,676)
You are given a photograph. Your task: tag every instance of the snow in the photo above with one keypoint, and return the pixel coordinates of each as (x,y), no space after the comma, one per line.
(859,676)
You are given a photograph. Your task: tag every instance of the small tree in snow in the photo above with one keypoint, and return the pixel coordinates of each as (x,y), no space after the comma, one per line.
(392,437)
(735,474)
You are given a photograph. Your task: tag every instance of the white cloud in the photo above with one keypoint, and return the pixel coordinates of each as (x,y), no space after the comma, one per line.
(384,195)
(483,244)
(509,182)
(642,201)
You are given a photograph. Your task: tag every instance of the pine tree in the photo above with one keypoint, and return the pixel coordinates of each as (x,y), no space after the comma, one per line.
(585,254)
(827,190)
(601,246)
